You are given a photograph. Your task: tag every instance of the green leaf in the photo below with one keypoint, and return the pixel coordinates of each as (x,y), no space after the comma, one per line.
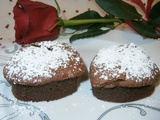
(119,9)
(154,16)
(88,34)
(87,15)
(145,29)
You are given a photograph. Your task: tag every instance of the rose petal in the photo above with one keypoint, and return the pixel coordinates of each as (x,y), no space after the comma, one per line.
(21,22)
(41,17)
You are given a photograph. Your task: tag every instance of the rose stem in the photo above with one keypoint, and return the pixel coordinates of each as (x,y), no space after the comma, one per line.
(67,23)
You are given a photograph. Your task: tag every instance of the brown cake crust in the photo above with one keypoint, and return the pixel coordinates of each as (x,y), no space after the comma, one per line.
(49,65)
(122,94)
(50,91)
(123,69)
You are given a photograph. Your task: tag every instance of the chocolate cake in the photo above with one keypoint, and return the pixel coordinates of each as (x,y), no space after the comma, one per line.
(44,71)
(123,73)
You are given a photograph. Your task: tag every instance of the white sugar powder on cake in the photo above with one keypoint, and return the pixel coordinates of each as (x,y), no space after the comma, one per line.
(40,59)
(129,59)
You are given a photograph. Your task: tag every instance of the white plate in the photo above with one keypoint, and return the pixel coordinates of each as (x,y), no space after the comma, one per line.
(81,105)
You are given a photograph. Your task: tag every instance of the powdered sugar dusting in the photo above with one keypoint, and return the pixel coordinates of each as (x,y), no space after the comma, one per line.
(129,59)
(39,60)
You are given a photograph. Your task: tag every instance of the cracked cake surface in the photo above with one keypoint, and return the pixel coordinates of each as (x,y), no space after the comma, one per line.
(43,62)
(125,65)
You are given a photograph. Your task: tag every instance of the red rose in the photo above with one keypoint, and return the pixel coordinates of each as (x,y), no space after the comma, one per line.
(33,21)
